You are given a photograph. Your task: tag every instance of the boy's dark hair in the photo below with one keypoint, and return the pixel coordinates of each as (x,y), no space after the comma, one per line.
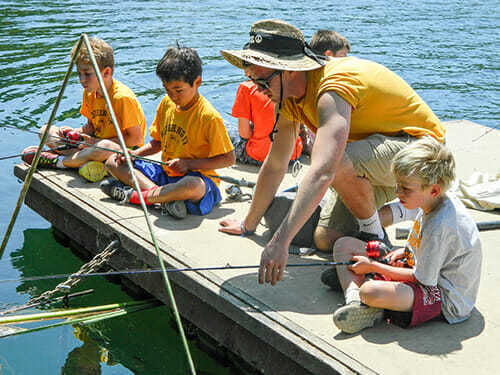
(324,40)
(179,64)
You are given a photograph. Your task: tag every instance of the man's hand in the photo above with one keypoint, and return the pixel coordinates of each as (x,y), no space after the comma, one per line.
(231,226)
(273,263)
(180,166)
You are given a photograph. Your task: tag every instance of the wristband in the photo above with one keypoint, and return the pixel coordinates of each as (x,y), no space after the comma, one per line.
(244,231)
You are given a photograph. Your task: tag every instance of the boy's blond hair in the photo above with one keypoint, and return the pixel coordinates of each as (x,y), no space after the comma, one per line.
(103,53)
(428,160)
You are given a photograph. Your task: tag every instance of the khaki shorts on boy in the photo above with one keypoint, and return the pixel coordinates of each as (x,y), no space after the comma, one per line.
(372,159)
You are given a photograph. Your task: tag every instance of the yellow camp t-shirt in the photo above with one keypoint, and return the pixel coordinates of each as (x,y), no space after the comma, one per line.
(127,110)
(196,133)
(381,101)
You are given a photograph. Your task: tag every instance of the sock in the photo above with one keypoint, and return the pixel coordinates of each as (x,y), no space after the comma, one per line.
(352,295)
(372,225)
(400,213)
(134,198)
(59,163)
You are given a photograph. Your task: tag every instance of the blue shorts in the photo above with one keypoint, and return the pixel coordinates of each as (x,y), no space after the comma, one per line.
(156,174)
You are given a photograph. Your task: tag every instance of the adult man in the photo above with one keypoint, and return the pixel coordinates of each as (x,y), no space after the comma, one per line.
(341,100)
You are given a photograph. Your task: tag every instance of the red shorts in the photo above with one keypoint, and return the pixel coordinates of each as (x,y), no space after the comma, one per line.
(426,303)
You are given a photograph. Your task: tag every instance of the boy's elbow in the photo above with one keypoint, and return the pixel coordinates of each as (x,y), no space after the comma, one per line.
(230,159)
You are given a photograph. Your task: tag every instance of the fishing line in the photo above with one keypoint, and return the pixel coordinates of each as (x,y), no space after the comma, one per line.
(241,182)
(156,270)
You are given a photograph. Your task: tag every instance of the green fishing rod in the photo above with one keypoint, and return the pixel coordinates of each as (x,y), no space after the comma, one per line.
(156,270)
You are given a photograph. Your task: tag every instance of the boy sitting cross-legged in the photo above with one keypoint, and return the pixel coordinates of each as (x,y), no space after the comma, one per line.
(99,130)
(442,253)
(193,140)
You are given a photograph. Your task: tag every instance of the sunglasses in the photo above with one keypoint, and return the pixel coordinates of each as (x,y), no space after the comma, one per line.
(264,82)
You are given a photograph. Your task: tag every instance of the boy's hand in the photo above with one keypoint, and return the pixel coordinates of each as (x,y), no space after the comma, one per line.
(88,140)
(179,165)
(119,158)
(394,258)
(63,130)
(362,266)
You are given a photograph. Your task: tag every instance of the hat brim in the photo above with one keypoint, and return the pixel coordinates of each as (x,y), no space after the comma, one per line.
(269,60)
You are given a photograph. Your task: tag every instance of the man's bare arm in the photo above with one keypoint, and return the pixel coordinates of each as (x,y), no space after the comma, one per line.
(331,137)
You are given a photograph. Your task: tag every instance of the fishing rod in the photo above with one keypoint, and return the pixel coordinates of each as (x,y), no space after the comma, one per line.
(156,270)
(72,142)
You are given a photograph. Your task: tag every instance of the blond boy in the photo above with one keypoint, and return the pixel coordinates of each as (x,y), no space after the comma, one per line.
(442,253)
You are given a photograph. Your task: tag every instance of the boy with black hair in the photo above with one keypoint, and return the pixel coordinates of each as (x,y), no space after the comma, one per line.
(99,130)
(443,251)
(193,140)
(330,43)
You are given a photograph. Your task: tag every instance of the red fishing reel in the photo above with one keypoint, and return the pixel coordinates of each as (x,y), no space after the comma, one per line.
(72,137)
(377,250)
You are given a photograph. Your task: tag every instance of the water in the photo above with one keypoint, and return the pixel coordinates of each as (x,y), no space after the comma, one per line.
(448,51)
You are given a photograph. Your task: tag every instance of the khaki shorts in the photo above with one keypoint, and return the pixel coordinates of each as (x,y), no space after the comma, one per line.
(372,159)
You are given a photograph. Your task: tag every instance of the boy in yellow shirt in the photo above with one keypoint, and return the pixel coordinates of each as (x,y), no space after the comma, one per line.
(192,139)
(99,129)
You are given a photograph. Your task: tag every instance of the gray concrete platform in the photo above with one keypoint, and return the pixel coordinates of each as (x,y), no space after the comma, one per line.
(288,328)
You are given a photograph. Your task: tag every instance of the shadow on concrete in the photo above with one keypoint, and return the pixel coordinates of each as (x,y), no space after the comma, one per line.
(433,338)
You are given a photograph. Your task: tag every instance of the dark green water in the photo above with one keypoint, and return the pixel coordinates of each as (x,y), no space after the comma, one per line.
(448,51)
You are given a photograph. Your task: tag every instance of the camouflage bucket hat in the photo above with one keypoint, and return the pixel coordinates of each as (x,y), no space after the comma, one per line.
(275,44)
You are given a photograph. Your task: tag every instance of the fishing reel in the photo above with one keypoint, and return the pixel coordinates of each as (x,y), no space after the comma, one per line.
(234,193)
(72,137)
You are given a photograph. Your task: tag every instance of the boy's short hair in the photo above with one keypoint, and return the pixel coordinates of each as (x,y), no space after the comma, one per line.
(428,160)
(324,40)
(179,64)
(103,53)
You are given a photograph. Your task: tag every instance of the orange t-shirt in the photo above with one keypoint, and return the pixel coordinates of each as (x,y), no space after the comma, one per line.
(259,109)
(196,133)
(127,110)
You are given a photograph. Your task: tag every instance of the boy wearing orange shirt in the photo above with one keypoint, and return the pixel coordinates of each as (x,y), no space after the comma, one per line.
(99,130)
(255,114)
(193,140)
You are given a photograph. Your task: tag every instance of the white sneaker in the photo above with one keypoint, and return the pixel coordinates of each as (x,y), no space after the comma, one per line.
(356,316)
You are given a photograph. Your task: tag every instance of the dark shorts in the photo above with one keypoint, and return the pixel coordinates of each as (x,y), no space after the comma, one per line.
(156,174)
(426,306)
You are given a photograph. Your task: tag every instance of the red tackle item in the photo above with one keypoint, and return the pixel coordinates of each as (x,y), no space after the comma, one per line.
(377,250)
(73,137)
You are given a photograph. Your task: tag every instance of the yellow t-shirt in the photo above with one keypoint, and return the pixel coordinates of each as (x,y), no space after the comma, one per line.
(381,101)
(127,110)
(196,133)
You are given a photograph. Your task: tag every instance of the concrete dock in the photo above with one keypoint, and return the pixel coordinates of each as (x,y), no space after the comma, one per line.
(288,328)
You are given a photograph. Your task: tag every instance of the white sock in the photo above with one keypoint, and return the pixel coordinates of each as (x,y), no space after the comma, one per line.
(352,295)
(59,163)
(372,225)
(400,213)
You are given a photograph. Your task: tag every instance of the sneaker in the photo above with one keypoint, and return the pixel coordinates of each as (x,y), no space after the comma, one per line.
(367,237)
(116,189)
(46,160)
(93,171)
(176,209)
(356,316)
(330,278)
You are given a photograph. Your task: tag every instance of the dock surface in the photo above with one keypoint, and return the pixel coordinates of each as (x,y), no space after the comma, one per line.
(288,328)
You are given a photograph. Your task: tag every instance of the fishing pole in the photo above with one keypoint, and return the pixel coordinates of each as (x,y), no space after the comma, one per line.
(155,270)
(71,142)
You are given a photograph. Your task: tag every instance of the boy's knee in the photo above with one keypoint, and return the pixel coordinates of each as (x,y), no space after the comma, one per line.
(343,249)
(369,293)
